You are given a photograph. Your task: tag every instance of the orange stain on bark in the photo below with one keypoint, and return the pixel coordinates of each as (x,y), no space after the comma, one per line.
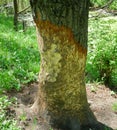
(47,29)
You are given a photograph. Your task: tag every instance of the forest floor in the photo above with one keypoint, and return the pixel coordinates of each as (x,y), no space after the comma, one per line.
(101,100)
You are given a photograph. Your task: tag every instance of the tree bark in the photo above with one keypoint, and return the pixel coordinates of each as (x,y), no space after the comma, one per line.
(62,36)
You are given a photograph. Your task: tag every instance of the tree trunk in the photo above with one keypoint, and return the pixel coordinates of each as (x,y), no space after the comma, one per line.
(15,14)
(62,37)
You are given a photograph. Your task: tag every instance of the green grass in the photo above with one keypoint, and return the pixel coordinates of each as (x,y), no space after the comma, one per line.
(19,55)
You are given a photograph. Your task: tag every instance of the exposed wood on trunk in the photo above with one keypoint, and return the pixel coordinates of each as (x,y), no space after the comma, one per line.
(62,37)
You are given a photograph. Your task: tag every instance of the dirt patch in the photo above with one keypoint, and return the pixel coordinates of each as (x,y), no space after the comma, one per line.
(22,109)
(100,98)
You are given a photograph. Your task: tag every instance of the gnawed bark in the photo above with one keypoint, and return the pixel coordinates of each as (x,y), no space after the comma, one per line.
(62,96)
(62,101)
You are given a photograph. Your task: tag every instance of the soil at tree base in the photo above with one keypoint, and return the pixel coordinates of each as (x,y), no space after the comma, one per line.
(100,99)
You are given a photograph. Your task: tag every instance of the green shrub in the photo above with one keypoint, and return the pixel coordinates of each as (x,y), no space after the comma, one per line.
(102,55)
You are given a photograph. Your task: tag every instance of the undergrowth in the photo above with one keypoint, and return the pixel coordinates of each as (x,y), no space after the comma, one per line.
(102,51)
(19,55)
(7,122)
(19,64)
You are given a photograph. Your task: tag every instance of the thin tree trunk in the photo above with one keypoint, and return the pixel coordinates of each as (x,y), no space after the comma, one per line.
(62,37)
(15,14)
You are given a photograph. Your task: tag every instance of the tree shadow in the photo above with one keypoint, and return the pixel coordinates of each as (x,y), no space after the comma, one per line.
(98,126)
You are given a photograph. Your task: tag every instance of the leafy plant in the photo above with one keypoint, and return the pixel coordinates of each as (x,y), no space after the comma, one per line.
(6,123)
(23,117)
(93,89)
(114,107)
(50,129)
(113,93)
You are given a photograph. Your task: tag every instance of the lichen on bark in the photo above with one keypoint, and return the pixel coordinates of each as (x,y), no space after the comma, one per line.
(51,63)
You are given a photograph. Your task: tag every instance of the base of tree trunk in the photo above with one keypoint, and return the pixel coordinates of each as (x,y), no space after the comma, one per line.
(70,123)
(67,122)
(97,126)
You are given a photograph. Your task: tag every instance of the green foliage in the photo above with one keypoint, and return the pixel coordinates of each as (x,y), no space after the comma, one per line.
(51,129)
(19,55)
(114,107)
(6,123)
(23,117)
(102,55)
(93,89)
(101,3)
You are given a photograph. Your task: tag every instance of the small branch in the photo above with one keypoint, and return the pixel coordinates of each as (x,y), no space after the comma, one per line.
(106,5)
(24,9)
(15,14)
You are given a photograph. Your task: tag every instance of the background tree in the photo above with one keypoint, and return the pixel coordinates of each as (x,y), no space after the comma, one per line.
(62,36)
(15,3)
